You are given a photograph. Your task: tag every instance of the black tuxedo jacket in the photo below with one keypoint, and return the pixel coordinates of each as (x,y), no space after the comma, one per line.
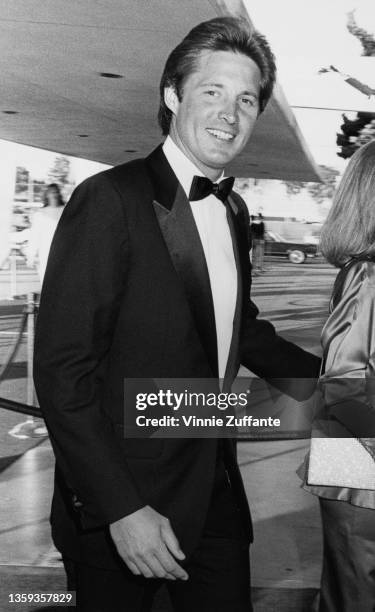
(127,295)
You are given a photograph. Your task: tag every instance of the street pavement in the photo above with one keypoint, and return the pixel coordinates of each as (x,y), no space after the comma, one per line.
(286,554)
(287,547)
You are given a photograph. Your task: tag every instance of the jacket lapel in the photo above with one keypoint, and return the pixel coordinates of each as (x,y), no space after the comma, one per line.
(181,237)
(237,224)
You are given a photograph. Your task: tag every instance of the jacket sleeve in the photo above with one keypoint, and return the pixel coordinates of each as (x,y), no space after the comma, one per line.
(82,289)
(285,365)
(348,384)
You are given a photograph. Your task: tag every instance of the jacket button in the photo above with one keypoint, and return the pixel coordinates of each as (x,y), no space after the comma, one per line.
(76,503)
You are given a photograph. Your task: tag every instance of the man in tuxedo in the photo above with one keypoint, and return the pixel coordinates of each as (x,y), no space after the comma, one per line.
(149,277)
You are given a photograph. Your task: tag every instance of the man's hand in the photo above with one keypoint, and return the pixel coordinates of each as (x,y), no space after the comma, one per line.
(147,544)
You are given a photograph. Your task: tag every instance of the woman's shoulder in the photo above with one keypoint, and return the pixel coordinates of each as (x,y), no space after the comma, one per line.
(361,271)
(351,279)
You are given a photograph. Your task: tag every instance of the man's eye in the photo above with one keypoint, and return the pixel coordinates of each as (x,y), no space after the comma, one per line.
(211,92)
(248,101)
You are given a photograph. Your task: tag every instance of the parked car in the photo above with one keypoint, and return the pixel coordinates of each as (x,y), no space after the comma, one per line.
(297,252)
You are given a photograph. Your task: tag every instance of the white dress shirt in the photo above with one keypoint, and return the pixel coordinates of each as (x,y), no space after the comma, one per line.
(211,221)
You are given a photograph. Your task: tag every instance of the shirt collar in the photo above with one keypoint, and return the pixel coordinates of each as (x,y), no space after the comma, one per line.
(181,165)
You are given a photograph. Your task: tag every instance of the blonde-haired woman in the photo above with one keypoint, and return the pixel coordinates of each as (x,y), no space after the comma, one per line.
(43,228)
(342,467)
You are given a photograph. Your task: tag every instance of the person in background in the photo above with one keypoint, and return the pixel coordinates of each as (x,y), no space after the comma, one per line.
(43,227)
(257,231)
(341,469)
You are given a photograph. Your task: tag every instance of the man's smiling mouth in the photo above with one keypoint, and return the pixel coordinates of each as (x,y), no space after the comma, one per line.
(220,135)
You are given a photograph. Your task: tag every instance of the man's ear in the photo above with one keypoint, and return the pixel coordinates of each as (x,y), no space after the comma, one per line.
(171,99)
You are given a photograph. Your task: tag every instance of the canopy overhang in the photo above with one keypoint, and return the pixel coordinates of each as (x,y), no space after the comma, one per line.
(52,95)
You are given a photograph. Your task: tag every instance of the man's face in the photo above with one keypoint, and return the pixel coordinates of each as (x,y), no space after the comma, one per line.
(217,112)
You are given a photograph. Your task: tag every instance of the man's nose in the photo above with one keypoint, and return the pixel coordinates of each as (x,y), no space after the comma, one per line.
(229,114)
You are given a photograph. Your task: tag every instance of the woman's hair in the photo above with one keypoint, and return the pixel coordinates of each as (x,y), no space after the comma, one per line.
(220,34)
(349,230)
(45,195)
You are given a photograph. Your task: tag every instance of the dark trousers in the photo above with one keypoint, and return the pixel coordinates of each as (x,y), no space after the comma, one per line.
(348,578)
(219,571)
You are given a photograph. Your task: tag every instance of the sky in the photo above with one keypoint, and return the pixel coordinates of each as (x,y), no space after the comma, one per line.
(305,36)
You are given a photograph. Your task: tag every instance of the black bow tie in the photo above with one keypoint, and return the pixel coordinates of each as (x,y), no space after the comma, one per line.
(202,187)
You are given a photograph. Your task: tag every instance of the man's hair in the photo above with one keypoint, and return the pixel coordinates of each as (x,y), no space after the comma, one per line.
(349,230)
(52,187)
(220,34)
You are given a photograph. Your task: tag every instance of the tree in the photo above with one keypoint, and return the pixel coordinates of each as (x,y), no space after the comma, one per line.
(59,173)
(366,39)
(242,185)
(355,133)
(22,184)
(319,191)
(325,190)
(294,187)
